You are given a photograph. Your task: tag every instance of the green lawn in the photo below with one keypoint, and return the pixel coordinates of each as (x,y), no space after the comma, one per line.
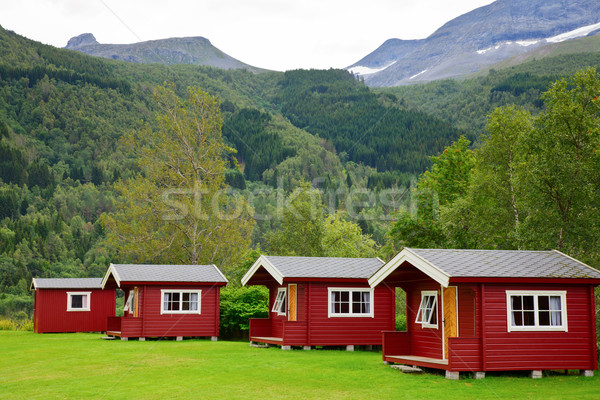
(75,366)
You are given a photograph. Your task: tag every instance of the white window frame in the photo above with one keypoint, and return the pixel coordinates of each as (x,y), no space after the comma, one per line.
(280,301)
(537,327)
(87,295)
(332,314)
(181,292)
(426,323)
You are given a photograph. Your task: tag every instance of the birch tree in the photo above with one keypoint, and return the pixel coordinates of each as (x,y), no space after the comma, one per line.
(178,209)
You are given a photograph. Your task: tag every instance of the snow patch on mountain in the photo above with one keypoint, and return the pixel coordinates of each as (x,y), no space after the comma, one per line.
(420,73)
(574,34)
(361,70)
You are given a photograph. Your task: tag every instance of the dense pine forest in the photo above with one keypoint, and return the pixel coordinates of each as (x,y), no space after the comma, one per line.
(70,125)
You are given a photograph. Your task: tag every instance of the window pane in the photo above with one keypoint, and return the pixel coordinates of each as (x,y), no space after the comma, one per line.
(345,296)
(544,318)
(555,318)
(516,303)
(433,319)
(76,301)
(517,318)
(356,297)
(344,308)
(356,307)
(555,303)
(543,303)
(194,301)
(185,301)
(528,303)
(528,318)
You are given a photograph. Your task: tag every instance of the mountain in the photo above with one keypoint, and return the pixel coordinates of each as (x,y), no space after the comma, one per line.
(186,50)
(482,37)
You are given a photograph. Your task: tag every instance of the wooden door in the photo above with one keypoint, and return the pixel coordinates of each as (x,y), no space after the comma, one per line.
(136,302)
(292,302)
(450,316)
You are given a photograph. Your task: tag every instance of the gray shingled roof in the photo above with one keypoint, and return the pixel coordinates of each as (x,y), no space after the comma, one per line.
(67,283)
(168,273)
(506,263)
(325,267)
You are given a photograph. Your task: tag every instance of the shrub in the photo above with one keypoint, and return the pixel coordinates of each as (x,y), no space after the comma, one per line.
(238,305)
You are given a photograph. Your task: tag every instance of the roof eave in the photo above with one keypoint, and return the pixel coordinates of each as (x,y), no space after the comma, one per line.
(262,261)
(111,270)
(418,262)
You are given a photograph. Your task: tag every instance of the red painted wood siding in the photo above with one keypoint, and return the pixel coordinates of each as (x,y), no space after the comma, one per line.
(467,311)
(51,315)
(425,342)
(152,324)
(464,354)
(538,350)
(336,331)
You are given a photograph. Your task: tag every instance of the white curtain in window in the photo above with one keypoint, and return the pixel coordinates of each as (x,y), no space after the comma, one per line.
(366,299)
(194,301)
(84,301)
(129,302)
(555,311)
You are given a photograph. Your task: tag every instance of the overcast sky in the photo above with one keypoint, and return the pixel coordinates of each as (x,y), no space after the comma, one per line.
(273,34)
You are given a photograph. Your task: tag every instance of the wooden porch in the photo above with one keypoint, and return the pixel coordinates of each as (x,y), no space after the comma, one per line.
(464,354)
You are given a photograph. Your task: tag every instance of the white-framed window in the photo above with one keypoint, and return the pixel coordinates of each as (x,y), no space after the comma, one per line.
(427,315)
(78,301)
(536,310)
(280,304)
(350,302)
(180,301)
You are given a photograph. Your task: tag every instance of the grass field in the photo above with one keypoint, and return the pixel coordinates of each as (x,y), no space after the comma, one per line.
(82,366)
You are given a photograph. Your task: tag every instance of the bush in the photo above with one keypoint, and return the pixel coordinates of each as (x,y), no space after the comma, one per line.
(238,305)
(16,324)
(401,323)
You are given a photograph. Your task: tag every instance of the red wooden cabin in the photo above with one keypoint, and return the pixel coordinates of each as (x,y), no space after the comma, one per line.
(486,310)
(320,301)
(166,300)
(71,305)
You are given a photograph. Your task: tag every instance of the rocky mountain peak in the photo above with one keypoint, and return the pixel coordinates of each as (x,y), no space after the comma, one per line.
(85,39)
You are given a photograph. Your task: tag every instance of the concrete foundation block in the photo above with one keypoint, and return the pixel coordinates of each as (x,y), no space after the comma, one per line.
(536,374)
(587,372)
(453,375)
(478,375)
(306,347)
(214,338)
(387,363)
(350,347)
(124,338)
(286,347)
(179,338)
(142,339)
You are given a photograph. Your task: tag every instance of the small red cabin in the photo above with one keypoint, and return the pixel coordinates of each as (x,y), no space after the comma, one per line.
(320,301)
(166,300)
(71,305)
(492,310)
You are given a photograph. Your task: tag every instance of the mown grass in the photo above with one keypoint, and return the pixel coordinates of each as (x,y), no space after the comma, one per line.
(76,366)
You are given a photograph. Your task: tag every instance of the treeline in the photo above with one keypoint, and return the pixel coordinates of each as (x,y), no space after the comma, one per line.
(336,106)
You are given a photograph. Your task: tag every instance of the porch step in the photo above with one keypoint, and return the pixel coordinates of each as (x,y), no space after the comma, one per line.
(259,346)
(407,369)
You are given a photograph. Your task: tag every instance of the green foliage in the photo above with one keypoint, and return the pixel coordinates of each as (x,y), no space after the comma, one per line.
(257,148)
(238,305)
(306,231)
(337,107)
(178,210)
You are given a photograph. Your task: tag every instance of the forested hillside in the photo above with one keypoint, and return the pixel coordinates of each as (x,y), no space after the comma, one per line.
(467,103)
(63,117)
